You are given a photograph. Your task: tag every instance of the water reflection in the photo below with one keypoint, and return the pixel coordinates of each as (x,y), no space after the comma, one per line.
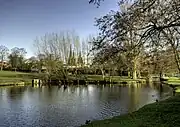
(56,106)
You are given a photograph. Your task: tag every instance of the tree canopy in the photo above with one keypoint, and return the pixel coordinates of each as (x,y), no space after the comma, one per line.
(137,29)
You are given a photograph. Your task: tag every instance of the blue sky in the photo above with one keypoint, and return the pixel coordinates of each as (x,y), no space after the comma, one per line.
(21,21)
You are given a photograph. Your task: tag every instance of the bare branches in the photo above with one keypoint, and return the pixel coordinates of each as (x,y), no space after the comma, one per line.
(145,23)
(95,2)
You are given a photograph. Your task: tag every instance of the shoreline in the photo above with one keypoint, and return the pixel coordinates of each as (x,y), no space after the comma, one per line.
(162,113)
(75,82)
(17,83)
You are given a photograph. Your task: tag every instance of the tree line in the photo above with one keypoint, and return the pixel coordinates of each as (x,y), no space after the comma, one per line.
(62,53)
(15,58)
(55,53)
(138,40)
(142,37)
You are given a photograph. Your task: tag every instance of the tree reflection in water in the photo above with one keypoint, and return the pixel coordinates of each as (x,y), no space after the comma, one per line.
(51,106)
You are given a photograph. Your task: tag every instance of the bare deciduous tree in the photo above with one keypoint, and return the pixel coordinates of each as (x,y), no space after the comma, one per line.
(3,54)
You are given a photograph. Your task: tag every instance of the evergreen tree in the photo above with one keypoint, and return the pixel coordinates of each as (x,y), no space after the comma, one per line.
(80,59)
(73,59)
(70,56)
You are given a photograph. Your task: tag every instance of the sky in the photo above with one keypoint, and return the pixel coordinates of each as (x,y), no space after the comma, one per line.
(21,21)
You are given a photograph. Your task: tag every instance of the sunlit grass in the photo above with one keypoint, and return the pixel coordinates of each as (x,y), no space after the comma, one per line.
(177,90)
(10,77)
(173,81)
(107,78)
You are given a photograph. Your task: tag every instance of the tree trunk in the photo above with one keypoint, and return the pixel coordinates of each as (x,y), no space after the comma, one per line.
(102,71)
(1,66)
(177,59)
(138,74)
(134,72)
(1,63)
(160,76)
(176,55)
(110,76)
(129,73)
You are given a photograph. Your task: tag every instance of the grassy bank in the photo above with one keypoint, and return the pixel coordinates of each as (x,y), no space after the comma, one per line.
(11,77)
(173,82)
(159,114)
(112,78)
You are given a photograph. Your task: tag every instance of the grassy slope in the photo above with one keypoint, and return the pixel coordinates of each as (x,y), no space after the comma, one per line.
(11,77)
(161,114)
(174,81)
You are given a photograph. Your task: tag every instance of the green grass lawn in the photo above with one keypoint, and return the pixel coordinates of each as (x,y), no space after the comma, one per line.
(12,77)
(173,82)
(159,114)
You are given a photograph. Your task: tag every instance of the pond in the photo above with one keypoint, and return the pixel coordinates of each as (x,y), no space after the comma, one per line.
(55,106)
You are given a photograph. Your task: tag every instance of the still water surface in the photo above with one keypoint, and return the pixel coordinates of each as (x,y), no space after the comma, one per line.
(71,107)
